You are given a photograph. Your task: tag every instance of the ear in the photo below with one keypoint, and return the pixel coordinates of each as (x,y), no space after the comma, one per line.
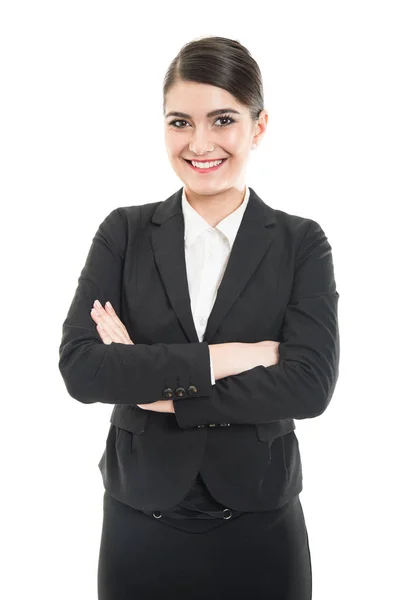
(260,127)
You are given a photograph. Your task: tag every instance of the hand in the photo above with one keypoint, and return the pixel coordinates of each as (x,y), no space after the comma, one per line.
(165,406)
(109,327)
(268,352)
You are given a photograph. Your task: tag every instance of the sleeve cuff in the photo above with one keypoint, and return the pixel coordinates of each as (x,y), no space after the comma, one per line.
(212,372)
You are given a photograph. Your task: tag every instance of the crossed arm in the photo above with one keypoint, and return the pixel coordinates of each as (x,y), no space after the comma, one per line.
(227,359)
(299,386)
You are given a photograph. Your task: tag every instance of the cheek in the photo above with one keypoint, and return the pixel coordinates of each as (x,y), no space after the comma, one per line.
(173,144)
(176,149)
(235,141)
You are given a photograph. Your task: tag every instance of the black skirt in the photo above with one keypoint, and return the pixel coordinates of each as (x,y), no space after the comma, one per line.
(151,556)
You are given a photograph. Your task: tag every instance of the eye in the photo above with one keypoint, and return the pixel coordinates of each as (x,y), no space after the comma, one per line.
(223,118)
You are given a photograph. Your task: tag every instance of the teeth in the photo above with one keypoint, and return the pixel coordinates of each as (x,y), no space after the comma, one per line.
(206,165)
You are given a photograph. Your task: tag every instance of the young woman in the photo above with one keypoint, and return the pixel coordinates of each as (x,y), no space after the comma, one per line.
(209,321)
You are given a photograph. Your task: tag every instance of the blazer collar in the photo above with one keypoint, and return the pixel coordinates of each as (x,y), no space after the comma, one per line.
(253,239)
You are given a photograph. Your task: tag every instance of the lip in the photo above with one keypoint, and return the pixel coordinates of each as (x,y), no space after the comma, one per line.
(208,159)
(188,162)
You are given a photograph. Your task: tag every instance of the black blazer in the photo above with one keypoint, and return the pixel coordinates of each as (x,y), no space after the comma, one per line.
(278,285)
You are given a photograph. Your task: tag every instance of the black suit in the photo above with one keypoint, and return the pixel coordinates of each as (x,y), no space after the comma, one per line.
(278,285)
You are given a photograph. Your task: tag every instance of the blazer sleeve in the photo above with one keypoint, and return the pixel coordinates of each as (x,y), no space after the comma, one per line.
(302,383)
(119,373)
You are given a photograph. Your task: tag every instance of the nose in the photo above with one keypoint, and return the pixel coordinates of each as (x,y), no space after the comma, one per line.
(200,145)
(200,152)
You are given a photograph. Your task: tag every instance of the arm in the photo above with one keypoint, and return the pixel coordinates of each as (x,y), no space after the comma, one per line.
(232,358)
(301,385)
(119,373)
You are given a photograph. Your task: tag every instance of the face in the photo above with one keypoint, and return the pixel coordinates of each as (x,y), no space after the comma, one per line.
(196,135)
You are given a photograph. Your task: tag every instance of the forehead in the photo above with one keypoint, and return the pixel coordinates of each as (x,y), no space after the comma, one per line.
(197,99)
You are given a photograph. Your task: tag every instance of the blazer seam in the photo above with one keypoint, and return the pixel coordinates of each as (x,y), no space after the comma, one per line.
(138,255)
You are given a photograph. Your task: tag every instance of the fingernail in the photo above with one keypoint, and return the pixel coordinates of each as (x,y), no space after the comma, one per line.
(108,304)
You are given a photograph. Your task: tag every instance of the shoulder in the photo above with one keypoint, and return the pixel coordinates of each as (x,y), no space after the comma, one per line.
(296,224)
(301,234)
(129,217)
(137,215)
(299,229)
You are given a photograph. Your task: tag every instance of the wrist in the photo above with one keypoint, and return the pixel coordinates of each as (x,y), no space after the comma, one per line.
(226,359)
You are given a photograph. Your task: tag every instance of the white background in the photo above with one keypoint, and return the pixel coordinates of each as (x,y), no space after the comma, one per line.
(82,133)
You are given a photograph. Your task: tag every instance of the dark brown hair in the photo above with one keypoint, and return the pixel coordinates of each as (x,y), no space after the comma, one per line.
(222,62)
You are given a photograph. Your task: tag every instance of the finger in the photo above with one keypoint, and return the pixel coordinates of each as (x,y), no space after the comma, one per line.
(106,338)
(103,313)
(118,323)
(97,320)
(109,326)
(109,329)
(109,310)
(149,406)
(159,406)
(105,327)
(118,326)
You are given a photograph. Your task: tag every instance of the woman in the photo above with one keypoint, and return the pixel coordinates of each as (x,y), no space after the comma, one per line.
(201,469)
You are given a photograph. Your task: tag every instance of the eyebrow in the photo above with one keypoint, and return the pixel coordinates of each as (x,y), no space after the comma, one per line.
(212,113)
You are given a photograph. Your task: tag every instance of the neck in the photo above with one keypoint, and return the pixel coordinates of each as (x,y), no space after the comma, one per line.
(216,207)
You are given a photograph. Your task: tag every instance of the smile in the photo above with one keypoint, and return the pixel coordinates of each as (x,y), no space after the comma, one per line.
(210,166)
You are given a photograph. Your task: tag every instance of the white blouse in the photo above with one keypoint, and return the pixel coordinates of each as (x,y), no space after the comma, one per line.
(207,251)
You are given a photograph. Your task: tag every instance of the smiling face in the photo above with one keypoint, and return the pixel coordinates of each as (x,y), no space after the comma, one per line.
(193,133)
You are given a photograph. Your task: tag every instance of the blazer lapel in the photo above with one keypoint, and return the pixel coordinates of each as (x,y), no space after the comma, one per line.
(253,239)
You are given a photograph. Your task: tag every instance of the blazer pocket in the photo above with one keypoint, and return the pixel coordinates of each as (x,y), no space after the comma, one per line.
(270,431)
(129,417)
